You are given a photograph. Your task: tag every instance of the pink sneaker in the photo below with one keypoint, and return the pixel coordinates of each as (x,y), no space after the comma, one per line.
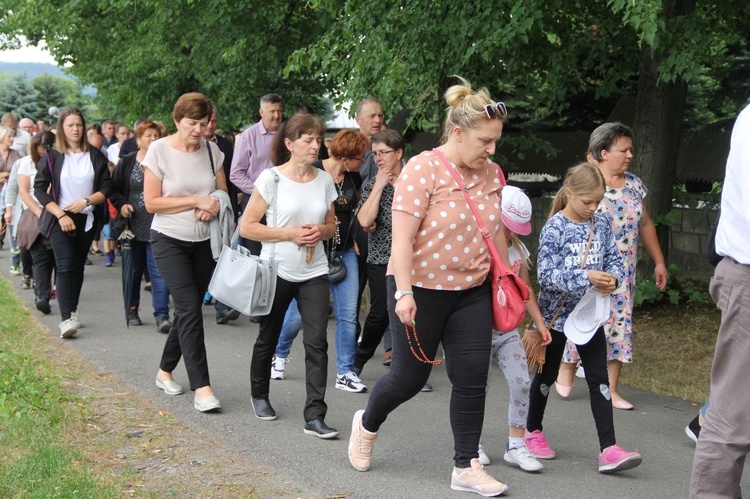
(615,458)
(538,446)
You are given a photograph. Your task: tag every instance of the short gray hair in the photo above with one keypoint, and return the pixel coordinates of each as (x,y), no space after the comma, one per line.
(271,99)
(605,136)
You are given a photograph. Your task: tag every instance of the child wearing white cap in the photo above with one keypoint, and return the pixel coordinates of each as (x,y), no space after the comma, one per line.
(506,347)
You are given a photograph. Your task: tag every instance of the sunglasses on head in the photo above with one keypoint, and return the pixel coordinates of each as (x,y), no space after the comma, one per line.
(492,111)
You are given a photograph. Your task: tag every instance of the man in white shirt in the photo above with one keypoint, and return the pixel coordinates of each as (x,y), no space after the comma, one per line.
(122,133)
(26,125)
(724,440)
(21,139)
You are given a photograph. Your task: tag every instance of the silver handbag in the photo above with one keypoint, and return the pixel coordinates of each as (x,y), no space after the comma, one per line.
(243,281)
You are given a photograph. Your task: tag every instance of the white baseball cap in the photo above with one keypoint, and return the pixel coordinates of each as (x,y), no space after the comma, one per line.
(516,210)
(590,314)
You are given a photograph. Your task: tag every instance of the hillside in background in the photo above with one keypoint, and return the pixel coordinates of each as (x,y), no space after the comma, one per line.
(32,69)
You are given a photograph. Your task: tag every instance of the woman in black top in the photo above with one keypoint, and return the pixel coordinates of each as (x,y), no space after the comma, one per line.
(77,177)
(127,197)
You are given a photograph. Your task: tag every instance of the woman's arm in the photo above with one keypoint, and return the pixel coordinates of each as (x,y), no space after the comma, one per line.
(24,186)
(405,227)
(651,243)
(532,307)
(369,210)
(221,180)
(251,227)
(156,203)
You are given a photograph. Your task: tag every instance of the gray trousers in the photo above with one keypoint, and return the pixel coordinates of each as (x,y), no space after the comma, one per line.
(508,351)
(725,436)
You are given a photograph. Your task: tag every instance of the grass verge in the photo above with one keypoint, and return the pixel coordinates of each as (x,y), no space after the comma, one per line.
(673,349)
(36,413)
(69,430)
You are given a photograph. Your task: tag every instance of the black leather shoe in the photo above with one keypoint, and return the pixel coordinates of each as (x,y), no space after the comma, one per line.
(133,319)
(254,320)
(226,315)
(163,325)
(263,410)
(43,306)
(318,428)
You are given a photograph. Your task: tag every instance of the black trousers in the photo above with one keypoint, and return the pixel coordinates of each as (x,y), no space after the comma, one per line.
(462,322)
(26,262)
(43,263)
(312,299)
(187,268)
(71,250)
(377,321)
(594,359)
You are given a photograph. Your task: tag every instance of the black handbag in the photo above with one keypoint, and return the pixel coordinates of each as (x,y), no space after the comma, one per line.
(336,267)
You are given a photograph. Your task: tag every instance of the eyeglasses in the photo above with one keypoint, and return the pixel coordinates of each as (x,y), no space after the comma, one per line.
(492,111)
(377,154)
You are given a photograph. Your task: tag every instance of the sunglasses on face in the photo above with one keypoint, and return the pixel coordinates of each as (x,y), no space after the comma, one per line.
(492,111)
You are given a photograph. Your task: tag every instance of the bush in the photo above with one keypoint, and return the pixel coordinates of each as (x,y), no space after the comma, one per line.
(679,290)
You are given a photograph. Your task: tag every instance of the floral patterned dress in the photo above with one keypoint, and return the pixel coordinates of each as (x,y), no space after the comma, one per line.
(624,207)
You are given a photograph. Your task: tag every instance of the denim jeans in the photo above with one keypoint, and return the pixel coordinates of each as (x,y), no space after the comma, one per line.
(289,331)
(344,295)
(143,257)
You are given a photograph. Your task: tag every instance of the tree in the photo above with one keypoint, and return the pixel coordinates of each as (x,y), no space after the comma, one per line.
(538,56)
(53,91)
(142,55)
(17,96)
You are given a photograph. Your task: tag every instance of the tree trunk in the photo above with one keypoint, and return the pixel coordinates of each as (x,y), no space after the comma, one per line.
(658,129)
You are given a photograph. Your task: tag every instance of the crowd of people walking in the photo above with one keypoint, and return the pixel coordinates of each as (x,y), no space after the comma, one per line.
(334,220)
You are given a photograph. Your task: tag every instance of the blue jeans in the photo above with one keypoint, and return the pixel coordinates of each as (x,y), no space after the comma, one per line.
(289,331)
(344,295)
(143,256)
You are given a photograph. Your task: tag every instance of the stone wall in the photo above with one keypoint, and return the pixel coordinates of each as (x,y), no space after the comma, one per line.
(687,244)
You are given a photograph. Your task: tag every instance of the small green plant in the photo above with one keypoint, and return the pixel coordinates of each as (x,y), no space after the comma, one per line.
(679,289)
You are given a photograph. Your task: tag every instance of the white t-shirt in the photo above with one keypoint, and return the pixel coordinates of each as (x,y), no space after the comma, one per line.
(76,178)
(28,168)
(297,204)
(113,153)
(182,174)
(516,259)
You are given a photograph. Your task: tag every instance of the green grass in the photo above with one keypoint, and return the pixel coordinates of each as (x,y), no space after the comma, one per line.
(37,416)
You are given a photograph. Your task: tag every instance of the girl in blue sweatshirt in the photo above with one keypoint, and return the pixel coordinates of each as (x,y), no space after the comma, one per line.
(563,277)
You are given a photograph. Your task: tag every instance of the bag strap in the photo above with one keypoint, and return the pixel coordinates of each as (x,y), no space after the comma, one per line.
(485,233)
(210,156)
(236,233)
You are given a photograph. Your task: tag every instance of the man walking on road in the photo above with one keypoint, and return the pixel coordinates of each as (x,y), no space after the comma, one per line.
(724,440)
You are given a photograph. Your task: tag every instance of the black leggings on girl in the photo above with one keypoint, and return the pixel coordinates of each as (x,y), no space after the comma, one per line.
(594,359)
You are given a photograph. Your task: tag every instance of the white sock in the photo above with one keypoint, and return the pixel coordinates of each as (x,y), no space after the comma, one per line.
(515,443)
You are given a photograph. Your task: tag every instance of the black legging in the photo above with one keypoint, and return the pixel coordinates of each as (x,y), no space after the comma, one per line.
(462,322)
(376,323)
(594,359)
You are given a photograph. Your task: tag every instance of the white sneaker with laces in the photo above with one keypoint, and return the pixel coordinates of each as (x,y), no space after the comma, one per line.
(278,364)
(76,321)
(68,328)
(484,459)
(350,382)
(522,457)
(476,480)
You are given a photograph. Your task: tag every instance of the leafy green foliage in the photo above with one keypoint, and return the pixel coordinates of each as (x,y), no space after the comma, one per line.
(18,96)
(680,289)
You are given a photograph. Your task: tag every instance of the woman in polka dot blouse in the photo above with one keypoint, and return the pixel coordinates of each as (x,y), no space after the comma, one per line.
(438,290)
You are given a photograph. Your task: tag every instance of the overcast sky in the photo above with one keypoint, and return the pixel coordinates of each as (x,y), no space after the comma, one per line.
(27,54)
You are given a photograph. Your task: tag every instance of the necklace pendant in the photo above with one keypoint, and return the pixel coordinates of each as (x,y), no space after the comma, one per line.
(342,201)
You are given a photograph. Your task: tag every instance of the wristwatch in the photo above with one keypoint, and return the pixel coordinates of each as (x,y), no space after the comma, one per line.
(400,294)
(88,202)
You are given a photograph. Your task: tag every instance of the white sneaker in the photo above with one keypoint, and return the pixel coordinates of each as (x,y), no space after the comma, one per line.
(484,459)
(476,480)
(76,321)
(278,364)
(350,382)
(580,372)
(523,458)
(68,328)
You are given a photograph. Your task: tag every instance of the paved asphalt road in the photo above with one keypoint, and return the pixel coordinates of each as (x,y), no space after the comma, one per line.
(412,457)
